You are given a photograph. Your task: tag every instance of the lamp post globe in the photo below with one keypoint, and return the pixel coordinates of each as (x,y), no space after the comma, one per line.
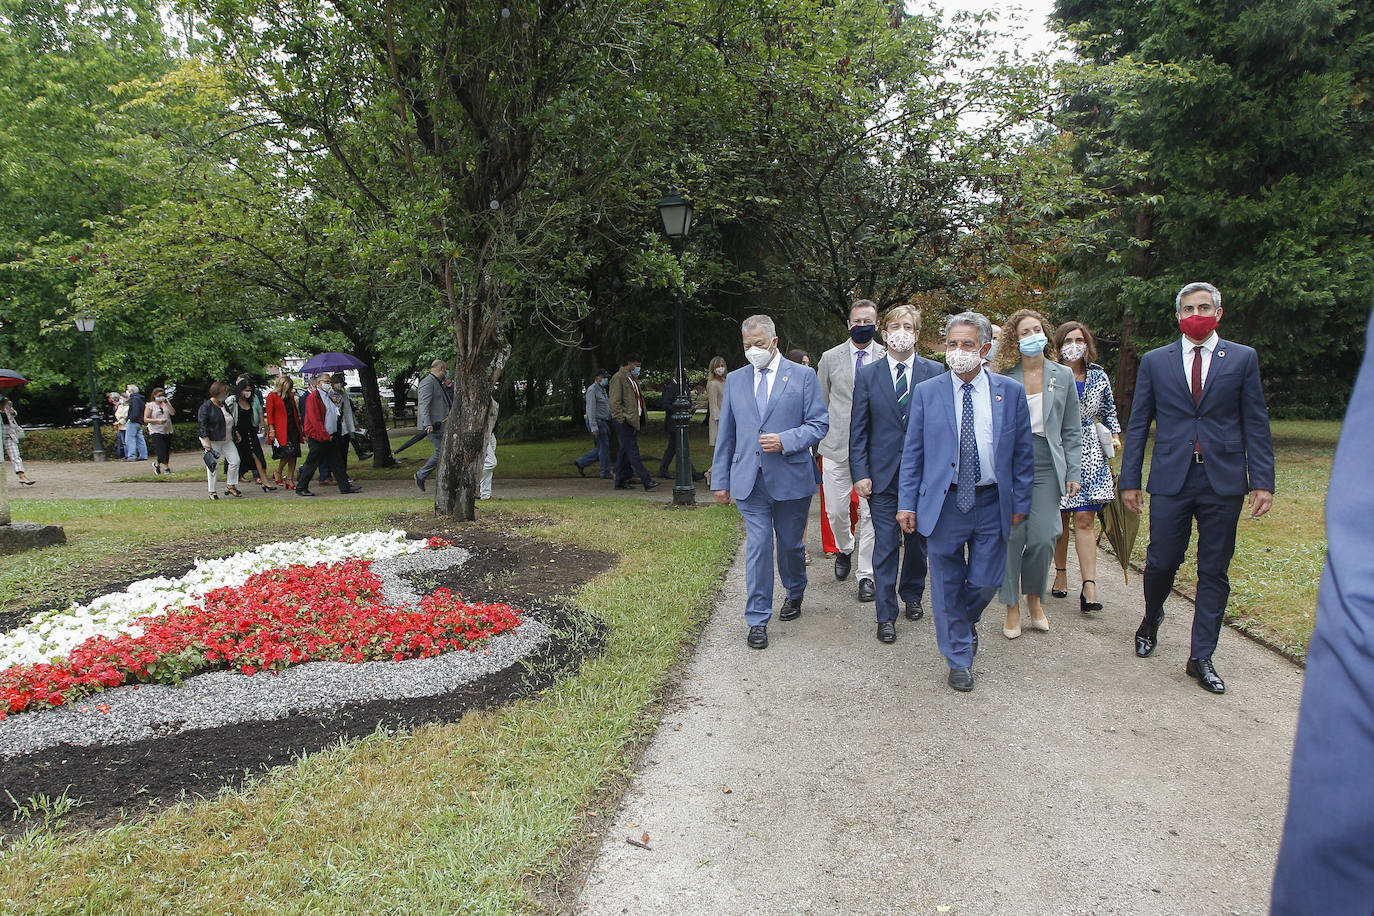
(86,326)
(675,212)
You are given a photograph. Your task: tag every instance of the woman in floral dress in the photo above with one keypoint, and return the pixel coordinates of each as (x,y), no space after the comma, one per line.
(1077,350)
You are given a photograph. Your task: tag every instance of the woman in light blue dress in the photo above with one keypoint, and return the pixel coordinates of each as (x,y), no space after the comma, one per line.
(1077,350)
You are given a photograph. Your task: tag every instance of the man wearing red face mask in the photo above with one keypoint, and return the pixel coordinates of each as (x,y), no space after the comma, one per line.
(1212,447)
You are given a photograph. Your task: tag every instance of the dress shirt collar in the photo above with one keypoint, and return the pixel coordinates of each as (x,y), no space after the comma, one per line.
(980,381)
(870,352)
(893,363)
(1210,344)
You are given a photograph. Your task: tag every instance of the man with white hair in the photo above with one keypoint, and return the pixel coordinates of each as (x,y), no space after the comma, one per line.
(1212,447)
(771,415)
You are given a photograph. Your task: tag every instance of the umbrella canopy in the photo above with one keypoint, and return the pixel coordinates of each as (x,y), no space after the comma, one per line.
(1121,526)
(11,379)
(330,362)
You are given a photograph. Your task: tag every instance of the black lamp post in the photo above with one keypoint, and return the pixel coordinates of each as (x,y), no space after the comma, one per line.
(676,213)
(87,327)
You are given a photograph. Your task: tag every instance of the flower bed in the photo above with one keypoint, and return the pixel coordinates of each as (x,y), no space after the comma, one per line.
(275,618)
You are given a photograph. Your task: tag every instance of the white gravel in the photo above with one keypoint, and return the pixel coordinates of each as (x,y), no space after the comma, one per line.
(222,698)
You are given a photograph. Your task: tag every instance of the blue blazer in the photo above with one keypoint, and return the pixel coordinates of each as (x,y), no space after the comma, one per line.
(876,427)
(1231,422)
(796,412)
(1326,861)
(930,457)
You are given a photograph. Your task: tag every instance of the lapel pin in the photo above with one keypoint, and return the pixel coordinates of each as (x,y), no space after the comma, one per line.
(1221,353)
(999,397)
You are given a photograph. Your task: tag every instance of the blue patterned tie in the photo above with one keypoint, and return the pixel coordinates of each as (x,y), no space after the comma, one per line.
(903,394)
(968,455)
(761,394)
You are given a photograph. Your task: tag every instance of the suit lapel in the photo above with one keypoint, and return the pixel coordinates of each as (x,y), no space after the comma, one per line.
(1220,365)
(995,399)
(1177,370)
(889,394)
(785,369)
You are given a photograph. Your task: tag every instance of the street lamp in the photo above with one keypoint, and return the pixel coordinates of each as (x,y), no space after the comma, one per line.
(87,327)
(676,213)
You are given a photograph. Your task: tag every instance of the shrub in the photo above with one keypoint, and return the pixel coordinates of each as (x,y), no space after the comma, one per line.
(77,443)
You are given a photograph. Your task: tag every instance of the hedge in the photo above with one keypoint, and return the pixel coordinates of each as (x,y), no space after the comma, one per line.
(78,443)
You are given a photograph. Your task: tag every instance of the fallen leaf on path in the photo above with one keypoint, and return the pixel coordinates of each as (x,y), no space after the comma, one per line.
(726,790)
(644,838)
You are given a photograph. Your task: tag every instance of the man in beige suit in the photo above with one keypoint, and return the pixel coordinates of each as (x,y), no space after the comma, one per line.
(836,372)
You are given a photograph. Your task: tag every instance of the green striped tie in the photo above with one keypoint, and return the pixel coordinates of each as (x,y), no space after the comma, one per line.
(903,394)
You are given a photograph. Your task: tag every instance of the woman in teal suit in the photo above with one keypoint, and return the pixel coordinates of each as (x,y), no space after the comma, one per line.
(1057,435)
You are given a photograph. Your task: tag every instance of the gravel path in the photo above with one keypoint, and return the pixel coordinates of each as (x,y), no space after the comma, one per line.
(832,774)
(222,698)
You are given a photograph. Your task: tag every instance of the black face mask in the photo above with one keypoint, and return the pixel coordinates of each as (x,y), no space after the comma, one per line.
(861,334)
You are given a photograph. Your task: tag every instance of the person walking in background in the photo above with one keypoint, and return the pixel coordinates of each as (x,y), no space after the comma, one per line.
(135,447)
(715,395)
(968,469)
(157,416)
(216,428)
(599,425)
(348,421)
(1078,350)
(1212,445)
(1326,862)
(283,430)
(435,402)
(836,374)
(489,461)
(802,358)
(10,434)
(321,427)
(877,433)
(120,404)
(1056,439)
(245,419)
(629,416)
(771,416)
(670,392)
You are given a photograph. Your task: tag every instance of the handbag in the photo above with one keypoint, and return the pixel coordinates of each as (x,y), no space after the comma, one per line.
(1104,439)
(211,458)
(285,452)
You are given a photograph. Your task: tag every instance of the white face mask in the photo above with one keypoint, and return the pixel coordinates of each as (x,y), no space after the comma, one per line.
(720,370)
(758,357)
(963,361)
(901,340)
(1073,352)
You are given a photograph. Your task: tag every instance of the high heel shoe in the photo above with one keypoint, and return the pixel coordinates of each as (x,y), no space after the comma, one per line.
(233,491)
(1084,604)
(267,489)
(1060,592)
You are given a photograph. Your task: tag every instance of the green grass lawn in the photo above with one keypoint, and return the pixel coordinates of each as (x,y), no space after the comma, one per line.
(1279,558)
(545,458)
(466,817)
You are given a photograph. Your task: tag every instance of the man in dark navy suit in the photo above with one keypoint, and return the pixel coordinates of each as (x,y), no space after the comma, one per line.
(968,467)
(877,429)
(1326,862)
(1212,446)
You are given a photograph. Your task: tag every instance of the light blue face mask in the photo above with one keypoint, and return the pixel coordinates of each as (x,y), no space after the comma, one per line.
(635,371)
(1033,345)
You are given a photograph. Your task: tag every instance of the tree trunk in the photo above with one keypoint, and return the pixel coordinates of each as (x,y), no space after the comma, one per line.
(376,417)
(464,447)
(1128,362)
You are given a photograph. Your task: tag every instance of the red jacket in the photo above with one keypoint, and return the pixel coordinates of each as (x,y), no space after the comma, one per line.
(314,418)
(276,408)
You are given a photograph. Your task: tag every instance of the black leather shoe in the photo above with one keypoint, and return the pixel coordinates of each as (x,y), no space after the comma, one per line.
(914,611)
(1060,592)
(651,484)
(622,486)
(1201,668)
(1084,604)
(961,679)
(841,567)
(581,471)
(419,481)
(350,489)
(758,637)
(887,631)
(303,492)
(1147,637)
(866,590)
(975,643)
(791,609)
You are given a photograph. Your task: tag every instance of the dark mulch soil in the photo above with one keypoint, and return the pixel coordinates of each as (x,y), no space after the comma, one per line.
(117,781)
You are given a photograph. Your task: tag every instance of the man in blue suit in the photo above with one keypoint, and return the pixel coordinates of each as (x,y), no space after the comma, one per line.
(1326,861)
(1212,446)
(877,430)
(770,417)
(968,467)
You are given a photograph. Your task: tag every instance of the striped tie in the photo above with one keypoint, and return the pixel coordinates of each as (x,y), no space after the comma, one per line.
(903,393)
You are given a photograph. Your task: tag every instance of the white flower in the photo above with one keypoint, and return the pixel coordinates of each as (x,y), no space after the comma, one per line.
(49,636)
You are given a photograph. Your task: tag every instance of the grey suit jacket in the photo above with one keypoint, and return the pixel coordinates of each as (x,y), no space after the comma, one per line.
(836,374)
(1063,420)
(434,402)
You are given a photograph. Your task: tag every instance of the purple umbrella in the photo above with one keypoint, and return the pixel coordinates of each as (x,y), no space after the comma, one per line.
(11,379)
(331,362)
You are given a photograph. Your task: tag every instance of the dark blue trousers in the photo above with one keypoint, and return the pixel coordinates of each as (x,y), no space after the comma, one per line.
(968,556)
(627,461)
(1171,527)
(766,519)
(893,579)
(600,450)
